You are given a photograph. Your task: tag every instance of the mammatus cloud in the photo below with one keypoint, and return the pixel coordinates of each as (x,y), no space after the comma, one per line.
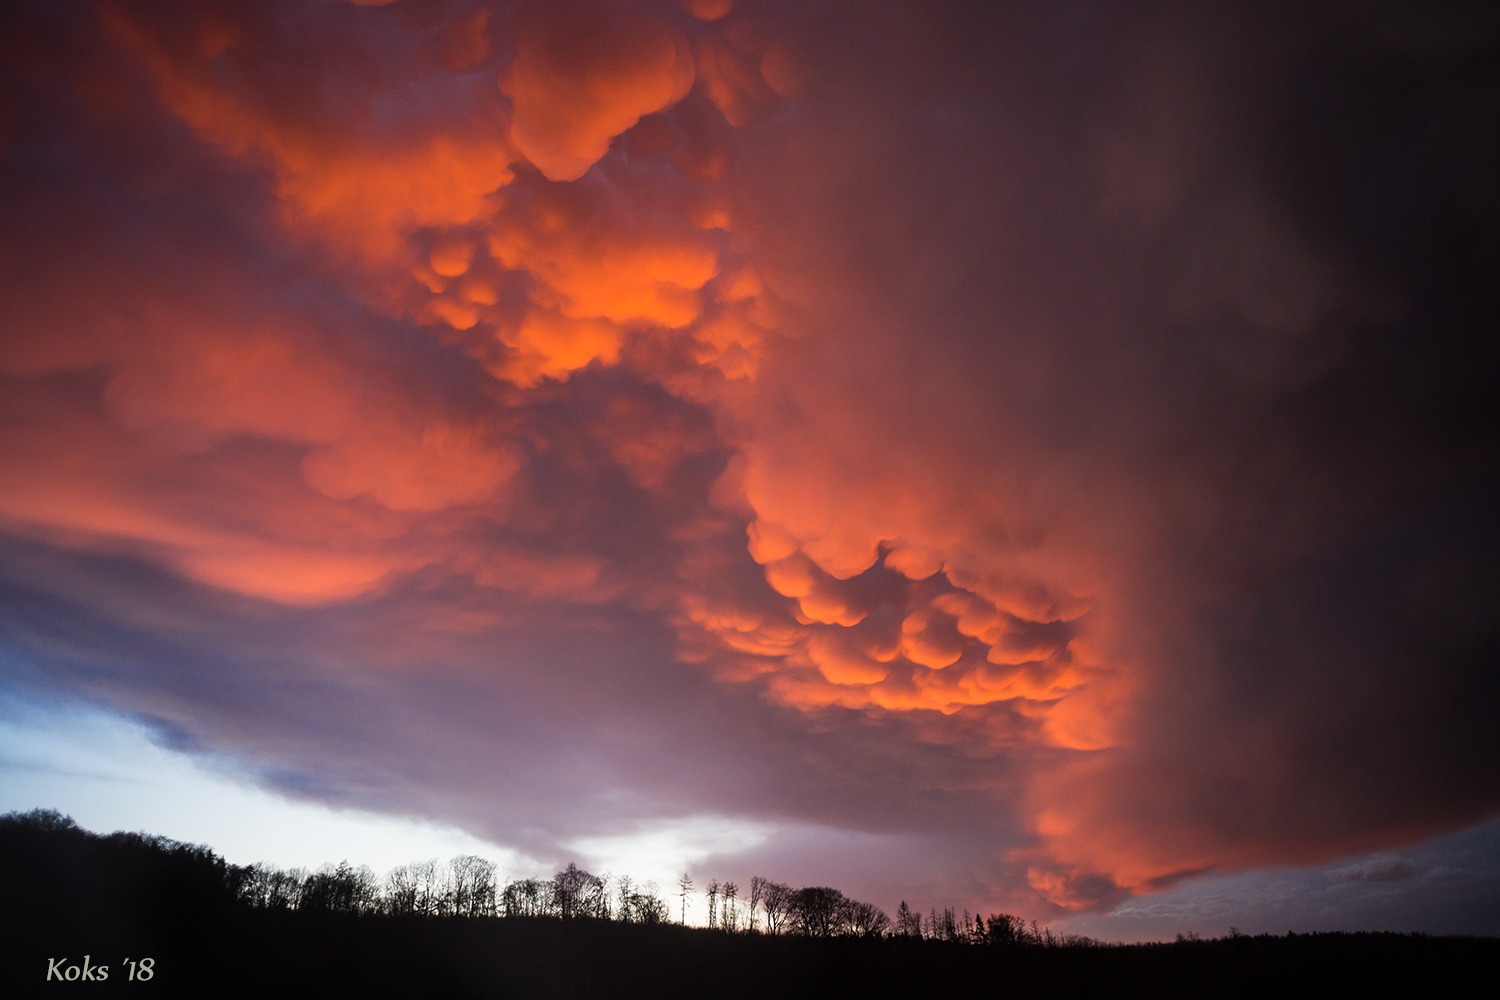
(1049,435)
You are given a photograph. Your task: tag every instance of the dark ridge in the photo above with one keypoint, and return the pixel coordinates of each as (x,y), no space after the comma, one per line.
(126,897)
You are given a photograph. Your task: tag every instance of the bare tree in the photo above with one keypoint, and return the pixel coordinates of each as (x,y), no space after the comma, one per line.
(867,919)
(271,888)
(401,890)
(649,907)
(526,898)
(252,885)
(757,892)
(684,890)
(729,917)
(577,893)
(318,891)
(293,880)
(819,911)
(643,907)
(908,924)
(473,881)
(625,888)
(1005,929)
(713,902)
(367,889)
(427,897)
(341,889)
(776,897)
(594,900)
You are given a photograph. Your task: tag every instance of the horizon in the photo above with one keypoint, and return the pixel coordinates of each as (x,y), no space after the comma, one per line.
(1039,461)
(671,895)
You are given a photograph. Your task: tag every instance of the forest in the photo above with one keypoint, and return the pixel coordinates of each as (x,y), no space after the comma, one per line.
(136,913)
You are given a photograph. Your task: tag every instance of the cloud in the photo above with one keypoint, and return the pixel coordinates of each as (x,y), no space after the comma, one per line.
(1376,870)
(585,72)
(1052,438)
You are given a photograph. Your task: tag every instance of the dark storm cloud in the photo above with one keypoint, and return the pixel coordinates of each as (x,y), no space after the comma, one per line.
(1058,438)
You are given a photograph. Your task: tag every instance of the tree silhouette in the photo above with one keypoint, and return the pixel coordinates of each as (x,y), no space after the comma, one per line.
(943,926)
(268,887)
(685,889)
(341,889)
(818,911)
(626,888)
(401,891)
(526,898)
(776,897)
(908,924)
(473,881)
(866,919)
(730,915)
(649,907)
(644,907)
(577,893)
(428,896)
(1003,929)
(757,893)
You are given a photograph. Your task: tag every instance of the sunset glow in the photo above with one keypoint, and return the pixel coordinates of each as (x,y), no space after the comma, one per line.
(594,425)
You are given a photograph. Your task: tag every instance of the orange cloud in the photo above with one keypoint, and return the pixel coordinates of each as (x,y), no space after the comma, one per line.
(608,272)
(883,588)
(548,345)
(584,72)
(901,400)
(430,468)
(362,189)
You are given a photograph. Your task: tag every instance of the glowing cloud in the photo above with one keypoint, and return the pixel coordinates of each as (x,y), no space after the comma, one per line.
(584,72)
(1013,409)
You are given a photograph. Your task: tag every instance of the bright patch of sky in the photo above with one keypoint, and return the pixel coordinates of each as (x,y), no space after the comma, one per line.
(106,772)
(662,851)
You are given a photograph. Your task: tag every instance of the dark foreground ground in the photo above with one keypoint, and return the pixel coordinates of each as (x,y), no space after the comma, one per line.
(65,895)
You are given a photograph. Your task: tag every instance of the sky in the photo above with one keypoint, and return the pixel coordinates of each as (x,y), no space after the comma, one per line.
(1040,459)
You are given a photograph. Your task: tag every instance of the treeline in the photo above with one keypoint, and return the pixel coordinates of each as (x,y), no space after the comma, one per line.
(468,886)
(75,900)
(822,911)
(465,886)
